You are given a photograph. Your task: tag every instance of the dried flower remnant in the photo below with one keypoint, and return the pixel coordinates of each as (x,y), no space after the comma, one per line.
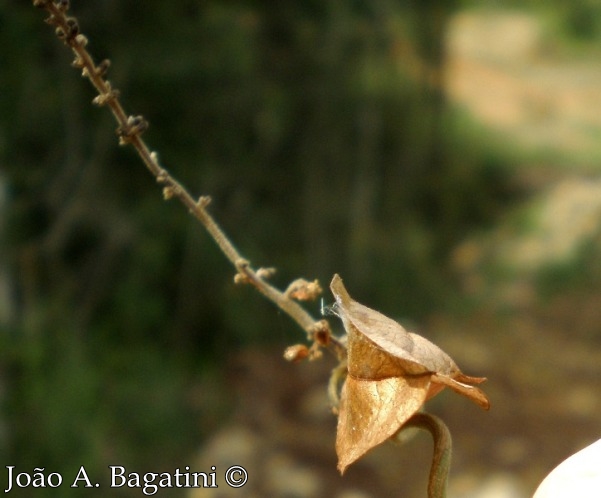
(303,290)
(391,374)
(296,353)
(266,273)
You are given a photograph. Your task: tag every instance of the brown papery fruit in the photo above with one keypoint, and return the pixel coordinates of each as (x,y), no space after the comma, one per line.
(391,374)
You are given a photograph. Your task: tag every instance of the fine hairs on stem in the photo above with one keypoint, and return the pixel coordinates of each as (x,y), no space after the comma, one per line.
(129,131)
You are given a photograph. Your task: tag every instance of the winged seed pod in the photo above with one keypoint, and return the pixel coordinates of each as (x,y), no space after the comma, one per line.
(391,374)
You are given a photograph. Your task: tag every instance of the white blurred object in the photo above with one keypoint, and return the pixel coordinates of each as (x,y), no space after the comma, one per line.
(578,476)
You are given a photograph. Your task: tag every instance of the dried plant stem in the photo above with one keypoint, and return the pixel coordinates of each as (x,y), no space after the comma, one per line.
(130,129)
(441,459)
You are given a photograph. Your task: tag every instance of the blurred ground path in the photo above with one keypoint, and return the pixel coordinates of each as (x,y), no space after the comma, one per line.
(506,71)
(512,74)
(543,360)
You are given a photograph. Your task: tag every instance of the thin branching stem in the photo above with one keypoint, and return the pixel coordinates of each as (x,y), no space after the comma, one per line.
(130,129)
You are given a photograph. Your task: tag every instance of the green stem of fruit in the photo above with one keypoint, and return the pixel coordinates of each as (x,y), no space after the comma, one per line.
(441,459)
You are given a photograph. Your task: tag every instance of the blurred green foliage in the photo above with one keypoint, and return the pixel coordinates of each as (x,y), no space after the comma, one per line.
(581,272)
(320,129)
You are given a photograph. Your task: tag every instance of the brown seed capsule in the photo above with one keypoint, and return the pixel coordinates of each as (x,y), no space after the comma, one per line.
(391,374)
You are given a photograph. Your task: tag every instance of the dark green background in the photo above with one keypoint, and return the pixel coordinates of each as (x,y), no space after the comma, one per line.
(324,151)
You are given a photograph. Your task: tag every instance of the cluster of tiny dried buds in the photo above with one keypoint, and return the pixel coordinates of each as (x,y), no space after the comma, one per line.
(322,338)
(134,126)
(303,290)
(68,31)
(129,131)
